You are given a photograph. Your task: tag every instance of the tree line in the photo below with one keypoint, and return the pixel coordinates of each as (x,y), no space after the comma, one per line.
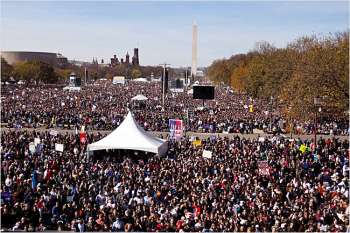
(43,72)
(294,75)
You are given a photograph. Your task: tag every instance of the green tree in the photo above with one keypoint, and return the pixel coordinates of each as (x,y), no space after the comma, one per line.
(6,69)
(45,72)
(136,73)
(25,70)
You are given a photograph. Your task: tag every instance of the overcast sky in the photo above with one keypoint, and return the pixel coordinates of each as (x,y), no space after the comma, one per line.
(162,30)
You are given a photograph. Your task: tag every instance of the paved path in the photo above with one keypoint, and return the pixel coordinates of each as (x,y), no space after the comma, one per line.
(199,135)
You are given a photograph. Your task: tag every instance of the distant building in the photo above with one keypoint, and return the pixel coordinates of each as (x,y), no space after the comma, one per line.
(94,61)
(51,58)
(61,58)
(135,58)
(127,61)
(79,63)
(114,61)
(134,62)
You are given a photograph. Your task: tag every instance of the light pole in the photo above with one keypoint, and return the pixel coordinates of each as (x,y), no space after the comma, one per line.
(316,101)
(271,113)
(164,64)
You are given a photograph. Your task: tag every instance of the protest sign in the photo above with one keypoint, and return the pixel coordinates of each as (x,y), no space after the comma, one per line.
(6,195)
(176,129)
(207,154)
(53,132)
(83,138)
(197,143)
(58,147)
(32,147)
(39,147)
(264,168)
(213,137)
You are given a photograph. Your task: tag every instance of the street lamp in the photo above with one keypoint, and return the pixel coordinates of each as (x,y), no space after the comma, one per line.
(271,113)
(164,64)
(316,102)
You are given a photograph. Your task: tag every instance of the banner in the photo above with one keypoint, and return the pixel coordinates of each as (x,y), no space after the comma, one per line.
(207,154)
(58,147)
(53,132)
(264,168)
(83,138)
(197,143)
(252,108)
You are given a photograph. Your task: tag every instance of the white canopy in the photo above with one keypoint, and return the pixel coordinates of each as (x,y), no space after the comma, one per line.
(139,97)
(140,80)
(130,136)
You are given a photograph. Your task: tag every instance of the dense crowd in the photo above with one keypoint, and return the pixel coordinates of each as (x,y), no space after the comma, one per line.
(135,191)
(101,106)
(307,189)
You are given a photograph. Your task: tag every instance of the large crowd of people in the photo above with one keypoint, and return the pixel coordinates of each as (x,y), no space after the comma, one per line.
(306,188)
(101,106)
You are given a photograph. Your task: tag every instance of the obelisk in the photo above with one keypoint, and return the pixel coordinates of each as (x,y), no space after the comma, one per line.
(194,50)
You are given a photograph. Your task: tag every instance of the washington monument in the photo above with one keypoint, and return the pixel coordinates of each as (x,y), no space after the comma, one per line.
(194,51)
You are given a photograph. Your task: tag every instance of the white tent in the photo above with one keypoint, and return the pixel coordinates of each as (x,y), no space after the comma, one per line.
(140,80)
(130,136)
(139,97)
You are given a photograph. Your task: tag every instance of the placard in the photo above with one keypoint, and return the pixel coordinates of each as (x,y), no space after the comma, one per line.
(36,141)
(213,137)
(197,143)
(176,129)
(261,139)
(83,138)
(53,132)
(264,168)
(6,195)
(39,147)
(207,154)
(32,147)
(58,147)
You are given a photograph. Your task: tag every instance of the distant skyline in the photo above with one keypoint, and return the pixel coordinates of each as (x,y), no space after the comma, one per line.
(162,30)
